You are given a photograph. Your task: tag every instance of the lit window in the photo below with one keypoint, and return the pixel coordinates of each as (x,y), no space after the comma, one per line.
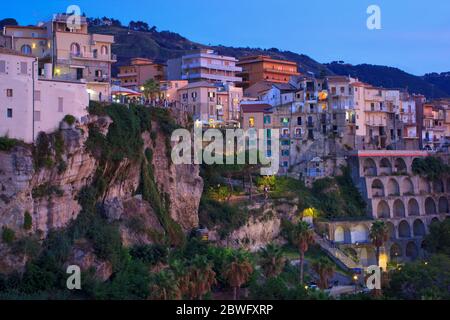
(251,122)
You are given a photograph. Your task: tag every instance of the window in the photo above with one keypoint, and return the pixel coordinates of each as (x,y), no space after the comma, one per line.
(284,120)
(60,104)
(194,95)
(104,50)
(299,121)
(75,49)
(98,73)
(211,94)
(37,116)
(37,95)
(267,120)
(25,49)
(342,90)
(9,113)
(251,122)
(9,92)
(23,67)
(285,153)
(2,66)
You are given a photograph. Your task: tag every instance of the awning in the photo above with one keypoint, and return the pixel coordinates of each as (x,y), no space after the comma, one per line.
(117,90)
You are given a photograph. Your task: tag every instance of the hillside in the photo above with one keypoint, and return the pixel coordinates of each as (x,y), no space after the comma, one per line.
(165,45)
(389,77)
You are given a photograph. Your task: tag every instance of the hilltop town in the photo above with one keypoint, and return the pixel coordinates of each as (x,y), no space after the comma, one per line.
(85,161)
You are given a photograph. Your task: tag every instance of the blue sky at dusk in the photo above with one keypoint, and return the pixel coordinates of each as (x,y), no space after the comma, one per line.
(415,34)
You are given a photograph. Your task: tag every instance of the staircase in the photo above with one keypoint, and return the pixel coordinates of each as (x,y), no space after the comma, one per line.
(342,259)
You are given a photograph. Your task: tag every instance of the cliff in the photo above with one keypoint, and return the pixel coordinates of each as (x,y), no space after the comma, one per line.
(119,156)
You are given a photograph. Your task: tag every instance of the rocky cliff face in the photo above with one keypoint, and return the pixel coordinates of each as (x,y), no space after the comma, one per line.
(50,194)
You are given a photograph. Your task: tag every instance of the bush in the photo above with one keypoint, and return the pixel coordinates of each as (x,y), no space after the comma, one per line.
(69,119)
(430,167)
(151,254)
(6,144)
(27,221)
(8,235)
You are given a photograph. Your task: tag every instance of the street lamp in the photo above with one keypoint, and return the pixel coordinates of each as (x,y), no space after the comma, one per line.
(355,280)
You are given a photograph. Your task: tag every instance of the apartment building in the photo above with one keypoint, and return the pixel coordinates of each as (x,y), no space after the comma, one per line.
(211,103)
(75,54)
(204,65)
(134,75)
(378,117)
(30,103)
(169,91)
(264,68)
(436,122)
(408,116)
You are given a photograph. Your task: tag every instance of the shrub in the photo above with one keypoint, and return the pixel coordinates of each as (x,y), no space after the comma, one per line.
(69,119)
(27,221)
(151,254)
(6,144)
(8,235)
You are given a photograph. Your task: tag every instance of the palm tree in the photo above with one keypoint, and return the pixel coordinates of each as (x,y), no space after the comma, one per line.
(379,234)
(164,286)
(238,272)
(151,89)
(202,276)
(325,269)
(302,237)
(272,260)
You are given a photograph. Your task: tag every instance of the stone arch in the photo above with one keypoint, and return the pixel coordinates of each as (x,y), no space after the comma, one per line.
(391,230)
(407,186)
(385,166)
(393,189)
(377,188)
(443,205)
(430,206)
(418,228)
(370,167)
(383,210)
(438,186)
(339,235)
(424,186)
(412,251)
(395,251)
(367,256)
(413,207)
(359,233)
(398,209)
(404,230)
(400,166)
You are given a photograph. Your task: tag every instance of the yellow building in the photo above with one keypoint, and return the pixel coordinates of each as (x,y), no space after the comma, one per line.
(75,54)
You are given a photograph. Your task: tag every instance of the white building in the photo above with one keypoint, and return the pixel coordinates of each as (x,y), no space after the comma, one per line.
(204,65)
(30,104)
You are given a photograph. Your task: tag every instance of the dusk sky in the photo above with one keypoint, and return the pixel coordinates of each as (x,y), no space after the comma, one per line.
(415,34)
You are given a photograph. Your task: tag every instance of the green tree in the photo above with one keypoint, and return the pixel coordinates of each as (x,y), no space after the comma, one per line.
(272,260)
(379,234)
(438,240)
(302,237)
(151,90)
(163,286)
(238,272)
(325,270)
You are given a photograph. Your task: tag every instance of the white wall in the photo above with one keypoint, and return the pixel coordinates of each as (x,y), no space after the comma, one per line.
(19,126)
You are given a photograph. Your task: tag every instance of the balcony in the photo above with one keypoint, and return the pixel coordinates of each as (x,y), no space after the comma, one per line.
(93,56)
(211,66)
(127,74)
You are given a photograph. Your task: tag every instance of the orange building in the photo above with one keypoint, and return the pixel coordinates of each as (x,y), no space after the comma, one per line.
(258,68)
(139,71)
